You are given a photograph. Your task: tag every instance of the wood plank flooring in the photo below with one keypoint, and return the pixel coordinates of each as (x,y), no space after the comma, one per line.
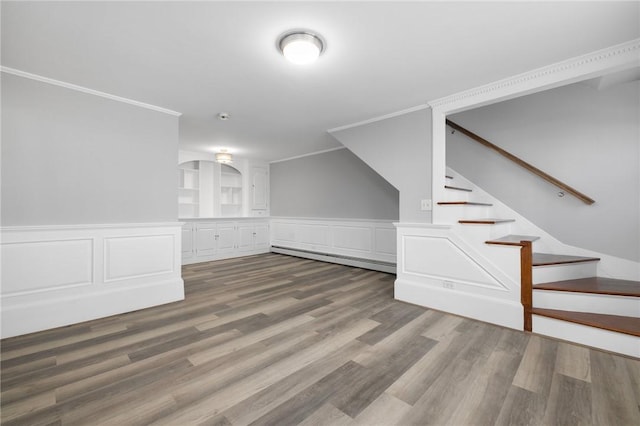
(279,340)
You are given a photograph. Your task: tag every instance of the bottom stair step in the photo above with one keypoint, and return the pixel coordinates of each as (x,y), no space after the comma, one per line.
(617,323)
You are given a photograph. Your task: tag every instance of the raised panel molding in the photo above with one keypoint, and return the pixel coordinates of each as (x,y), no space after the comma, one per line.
(357,238)
(135,257)
(441,259)
(34,266)
(438,270)
(364,239)
(54,276)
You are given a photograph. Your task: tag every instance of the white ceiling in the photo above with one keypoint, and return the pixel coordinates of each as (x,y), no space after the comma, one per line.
(201,58)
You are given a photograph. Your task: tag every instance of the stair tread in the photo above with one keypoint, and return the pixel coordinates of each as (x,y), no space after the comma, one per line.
(486,221)
(618,323)
(465,203)
(512,239)
(457,188)
(545,259)
(594,285)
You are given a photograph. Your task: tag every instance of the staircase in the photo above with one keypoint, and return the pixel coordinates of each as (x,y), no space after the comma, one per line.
(562,295)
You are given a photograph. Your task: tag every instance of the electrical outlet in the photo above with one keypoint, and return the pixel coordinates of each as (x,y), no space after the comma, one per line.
(425,205)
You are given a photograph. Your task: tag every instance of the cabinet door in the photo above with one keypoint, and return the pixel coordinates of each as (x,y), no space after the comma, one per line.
(259,189)
(226,238)
(187,241)
(245,237)
(206,239)
(261,235)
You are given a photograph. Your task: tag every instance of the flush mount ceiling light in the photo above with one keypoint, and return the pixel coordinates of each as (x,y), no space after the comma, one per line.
(301,47)
(223,157)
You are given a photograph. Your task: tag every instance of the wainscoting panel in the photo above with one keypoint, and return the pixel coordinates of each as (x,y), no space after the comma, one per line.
(135,257)
(445,261)
(356,238)
(437,269)
(360,239)
(36,265)
(59,275)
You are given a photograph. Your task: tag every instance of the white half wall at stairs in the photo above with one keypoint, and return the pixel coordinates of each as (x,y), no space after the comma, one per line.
(59,275)
(438,269)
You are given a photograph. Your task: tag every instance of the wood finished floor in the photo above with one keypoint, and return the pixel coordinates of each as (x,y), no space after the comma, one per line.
(279,340)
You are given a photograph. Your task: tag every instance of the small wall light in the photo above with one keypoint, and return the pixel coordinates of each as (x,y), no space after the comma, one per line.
(301,47)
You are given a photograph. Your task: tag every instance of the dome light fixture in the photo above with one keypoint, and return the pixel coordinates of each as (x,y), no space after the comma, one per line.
(224,157)
(301,47)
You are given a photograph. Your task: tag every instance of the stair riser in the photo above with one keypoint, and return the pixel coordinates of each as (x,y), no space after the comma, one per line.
(590,336)
(570,271)
(454,195)
(481,233)
(462,211)
(586,302)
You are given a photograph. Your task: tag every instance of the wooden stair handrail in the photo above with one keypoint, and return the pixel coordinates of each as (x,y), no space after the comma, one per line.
(522,163)
(526,282)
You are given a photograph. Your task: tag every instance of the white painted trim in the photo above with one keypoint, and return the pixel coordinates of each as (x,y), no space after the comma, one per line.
(506,313)
(50,280)
(358,238)
(89,226)
(420,225)
(86,90)
(309,154)
(614,58)
(380,118)
(330,219)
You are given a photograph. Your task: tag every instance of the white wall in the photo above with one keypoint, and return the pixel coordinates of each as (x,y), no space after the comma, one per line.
(399,149)
(73,158)
(89,206)
(585,137)
(334,184)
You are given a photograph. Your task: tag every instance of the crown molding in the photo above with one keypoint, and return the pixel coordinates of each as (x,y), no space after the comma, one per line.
(380,118)
(308,155)
(82,89)
(614,58)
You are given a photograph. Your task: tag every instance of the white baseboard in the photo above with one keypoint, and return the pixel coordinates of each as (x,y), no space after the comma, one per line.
(501,312)
(60,275)
(37,315)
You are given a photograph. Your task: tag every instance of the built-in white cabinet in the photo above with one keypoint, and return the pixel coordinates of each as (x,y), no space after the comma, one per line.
(208,189)
(212,240)
(252,236)
(189,189)
(259,188)
(230,191)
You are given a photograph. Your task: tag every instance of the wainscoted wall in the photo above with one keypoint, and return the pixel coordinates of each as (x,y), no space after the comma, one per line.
(59,275)
(438,269)
(369,240)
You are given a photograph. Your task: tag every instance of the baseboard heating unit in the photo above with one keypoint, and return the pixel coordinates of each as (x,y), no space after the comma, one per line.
(358,262)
